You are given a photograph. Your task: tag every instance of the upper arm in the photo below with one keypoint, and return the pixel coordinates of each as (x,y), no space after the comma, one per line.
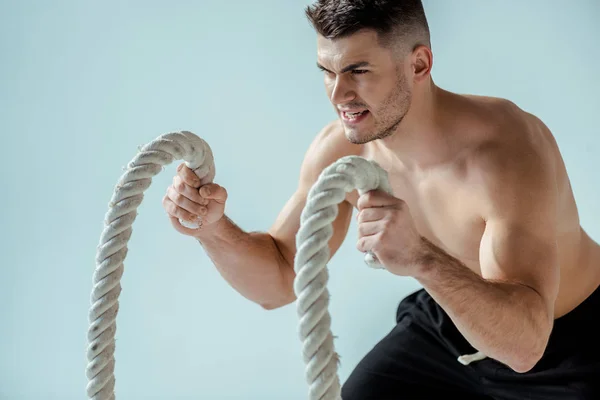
(329,145)
(519,207)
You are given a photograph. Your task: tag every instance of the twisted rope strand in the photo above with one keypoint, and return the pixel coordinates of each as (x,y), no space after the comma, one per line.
(310,284)
(112,249)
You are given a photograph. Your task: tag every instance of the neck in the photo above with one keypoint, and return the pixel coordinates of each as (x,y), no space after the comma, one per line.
(423,137)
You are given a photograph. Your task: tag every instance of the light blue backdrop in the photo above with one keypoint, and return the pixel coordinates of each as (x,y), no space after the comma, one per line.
(84,83)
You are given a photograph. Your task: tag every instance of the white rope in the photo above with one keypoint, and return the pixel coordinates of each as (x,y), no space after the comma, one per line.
(344,175)
(112,250)
(467,359)
(310,263)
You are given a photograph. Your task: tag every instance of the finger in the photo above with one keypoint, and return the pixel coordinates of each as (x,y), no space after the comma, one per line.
(188,176)
(174,211)
(369,243)
(188,191)
(181,201)
(365,244)
(370,214)
(180,228)
(368,229)
(214,192)
(376,198)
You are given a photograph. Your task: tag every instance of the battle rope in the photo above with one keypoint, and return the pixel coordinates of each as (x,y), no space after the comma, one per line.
(312,254)
(346,174)
(112,250)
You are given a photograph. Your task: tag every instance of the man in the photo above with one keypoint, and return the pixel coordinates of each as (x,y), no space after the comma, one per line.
(483,216)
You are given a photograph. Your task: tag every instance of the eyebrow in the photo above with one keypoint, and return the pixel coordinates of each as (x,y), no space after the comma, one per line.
(347,68)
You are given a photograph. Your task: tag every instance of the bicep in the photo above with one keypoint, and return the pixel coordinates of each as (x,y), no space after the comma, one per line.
(513,252)
(287,224)
(519,243)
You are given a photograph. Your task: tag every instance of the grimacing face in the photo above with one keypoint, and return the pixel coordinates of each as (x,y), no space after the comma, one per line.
(366,83)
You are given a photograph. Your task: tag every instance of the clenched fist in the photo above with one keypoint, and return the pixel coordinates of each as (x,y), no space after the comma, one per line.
(190,199)
(387,230)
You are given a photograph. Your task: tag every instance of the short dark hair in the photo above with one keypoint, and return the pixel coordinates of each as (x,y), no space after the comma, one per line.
(391,19)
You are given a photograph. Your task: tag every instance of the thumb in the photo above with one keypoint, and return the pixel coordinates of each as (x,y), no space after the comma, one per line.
(214,191)
(377,198)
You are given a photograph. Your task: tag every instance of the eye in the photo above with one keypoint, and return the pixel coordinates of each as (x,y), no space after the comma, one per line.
(359,71)
(326,72)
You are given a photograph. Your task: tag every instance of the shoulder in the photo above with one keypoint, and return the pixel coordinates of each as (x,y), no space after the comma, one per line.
(514,167)
(329,145)
(331,140)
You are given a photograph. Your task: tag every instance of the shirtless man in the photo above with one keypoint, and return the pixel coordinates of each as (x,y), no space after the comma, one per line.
(482,216)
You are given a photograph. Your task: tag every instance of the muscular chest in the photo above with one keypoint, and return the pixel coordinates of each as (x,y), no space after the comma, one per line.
(446,215)
(444,211)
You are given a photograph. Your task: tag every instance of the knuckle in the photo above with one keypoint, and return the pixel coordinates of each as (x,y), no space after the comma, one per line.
(167,205)
(361,230)
(195,198)
(361,244)
(171,209)
(179,198)
(362,202)
(362,216)
(206,189)
(170,193)
(191,177)
(176,211)
(180,187)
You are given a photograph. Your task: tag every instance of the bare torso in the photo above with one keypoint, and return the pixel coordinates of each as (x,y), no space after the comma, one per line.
(443,204)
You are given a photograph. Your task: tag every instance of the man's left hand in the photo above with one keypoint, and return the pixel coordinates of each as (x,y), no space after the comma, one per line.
(386,229)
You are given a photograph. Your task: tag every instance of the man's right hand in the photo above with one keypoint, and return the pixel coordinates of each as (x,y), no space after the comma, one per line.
(190,199)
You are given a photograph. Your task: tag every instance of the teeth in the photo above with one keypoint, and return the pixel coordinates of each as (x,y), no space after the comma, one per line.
(355,114)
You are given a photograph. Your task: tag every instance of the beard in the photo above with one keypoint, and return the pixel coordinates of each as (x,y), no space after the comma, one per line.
(387,117)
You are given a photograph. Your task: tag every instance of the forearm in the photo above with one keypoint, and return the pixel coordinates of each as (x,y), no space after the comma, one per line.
(505,321)
(250,262)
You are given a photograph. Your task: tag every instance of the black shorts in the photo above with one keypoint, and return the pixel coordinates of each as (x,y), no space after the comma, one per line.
(418,359)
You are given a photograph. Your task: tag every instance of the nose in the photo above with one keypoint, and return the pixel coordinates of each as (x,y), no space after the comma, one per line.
(342,91)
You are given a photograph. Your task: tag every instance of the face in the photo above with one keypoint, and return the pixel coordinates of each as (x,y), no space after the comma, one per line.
(366,84)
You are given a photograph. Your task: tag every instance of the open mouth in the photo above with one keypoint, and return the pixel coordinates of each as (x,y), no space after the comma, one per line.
(355,116)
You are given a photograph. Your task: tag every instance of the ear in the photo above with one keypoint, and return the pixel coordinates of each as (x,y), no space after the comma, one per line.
(422,61)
